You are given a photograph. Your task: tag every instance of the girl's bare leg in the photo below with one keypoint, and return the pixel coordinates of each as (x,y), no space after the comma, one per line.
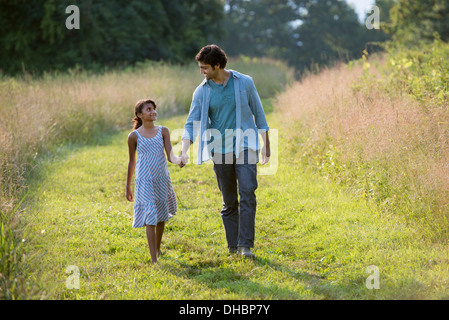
(159,231)
(151,237)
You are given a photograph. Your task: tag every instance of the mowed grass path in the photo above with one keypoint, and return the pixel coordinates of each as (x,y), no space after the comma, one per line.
(313,239)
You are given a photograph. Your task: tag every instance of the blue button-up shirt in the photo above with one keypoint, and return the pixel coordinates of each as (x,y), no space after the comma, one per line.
(250,118)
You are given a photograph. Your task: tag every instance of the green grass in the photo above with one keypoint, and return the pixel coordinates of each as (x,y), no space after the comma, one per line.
(314,240)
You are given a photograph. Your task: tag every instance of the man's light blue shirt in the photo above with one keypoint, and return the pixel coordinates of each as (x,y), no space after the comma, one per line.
(250,118)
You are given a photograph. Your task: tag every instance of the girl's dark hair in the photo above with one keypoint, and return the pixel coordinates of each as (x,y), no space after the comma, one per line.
(138,109)
(213,55)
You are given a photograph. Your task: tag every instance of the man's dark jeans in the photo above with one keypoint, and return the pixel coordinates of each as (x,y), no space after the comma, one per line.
(238,216)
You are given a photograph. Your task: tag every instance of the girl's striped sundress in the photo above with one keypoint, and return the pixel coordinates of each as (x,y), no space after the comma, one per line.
(155,199)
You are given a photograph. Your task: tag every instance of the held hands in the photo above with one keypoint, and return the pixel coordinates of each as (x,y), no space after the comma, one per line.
(176,160)
(183,154)
(184,158)
(180,161)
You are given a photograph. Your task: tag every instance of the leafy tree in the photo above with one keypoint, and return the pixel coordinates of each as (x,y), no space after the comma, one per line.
(301,32)
(376,38)
(19,32)
(257,28)
(33,34)
(413,21)
(330,31)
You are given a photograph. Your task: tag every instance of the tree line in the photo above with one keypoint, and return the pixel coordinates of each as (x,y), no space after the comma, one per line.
(303,33)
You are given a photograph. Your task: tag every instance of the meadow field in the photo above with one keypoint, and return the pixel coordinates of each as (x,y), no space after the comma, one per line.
(356,208)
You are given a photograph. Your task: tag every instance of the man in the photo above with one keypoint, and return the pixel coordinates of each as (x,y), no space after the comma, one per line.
(227,114)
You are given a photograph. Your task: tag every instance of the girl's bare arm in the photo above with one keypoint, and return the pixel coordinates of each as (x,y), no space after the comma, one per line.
(132,145)
(168,147)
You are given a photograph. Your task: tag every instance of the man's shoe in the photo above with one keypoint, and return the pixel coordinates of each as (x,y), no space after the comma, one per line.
(233,250)
(246,253)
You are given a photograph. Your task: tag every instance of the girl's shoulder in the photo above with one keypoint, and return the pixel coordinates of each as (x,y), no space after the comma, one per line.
(164,130)
(165,133)
(132,136)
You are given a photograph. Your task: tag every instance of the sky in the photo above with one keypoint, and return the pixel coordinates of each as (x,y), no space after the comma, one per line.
(360,6)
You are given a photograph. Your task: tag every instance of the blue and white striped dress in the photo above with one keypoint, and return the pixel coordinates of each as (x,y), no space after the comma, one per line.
(155,200)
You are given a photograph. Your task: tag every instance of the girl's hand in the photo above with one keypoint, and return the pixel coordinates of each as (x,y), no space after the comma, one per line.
(184,157)
(176,160)
(129,194)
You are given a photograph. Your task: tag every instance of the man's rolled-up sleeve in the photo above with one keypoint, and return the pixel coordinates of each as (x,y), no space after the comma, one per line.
(194,115)
(257,109)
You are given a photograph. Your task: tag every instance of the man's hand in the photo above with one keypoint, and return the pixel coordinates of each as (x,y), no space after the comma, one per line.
(184,159)
(266,150)
(266,153)
(185,147)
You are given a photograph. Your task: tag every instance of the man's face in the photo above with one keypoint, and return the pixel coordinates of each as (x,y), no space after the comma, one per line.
(207,70)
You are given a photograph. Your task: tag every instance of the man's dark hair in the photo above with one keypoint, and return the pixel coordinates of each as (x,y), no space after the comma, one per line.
(213,55)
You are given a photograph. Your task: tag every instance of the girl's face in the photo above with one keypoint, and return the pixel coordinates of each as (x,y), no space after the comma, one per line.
(148,113)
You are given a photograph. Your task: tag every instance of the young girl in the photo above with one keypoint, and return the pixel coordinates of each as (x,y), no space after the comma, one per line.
(155,200)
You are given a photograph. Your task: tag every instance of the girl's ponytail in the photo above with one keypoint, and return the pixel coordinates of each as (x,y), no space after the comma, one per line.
(137,122)
(138,109)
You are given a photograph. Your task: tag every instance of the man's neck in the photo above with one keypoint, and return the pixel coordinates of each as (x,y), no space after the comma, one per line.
(222,77)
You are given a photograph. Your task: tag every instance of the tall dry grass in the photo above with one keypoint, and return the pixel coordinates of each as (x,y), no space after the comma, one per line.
(382,145)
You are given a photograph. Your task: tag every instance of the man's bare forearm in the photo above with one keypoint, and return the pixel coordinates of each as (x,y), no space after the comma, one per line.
(266,143)
(185,145)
